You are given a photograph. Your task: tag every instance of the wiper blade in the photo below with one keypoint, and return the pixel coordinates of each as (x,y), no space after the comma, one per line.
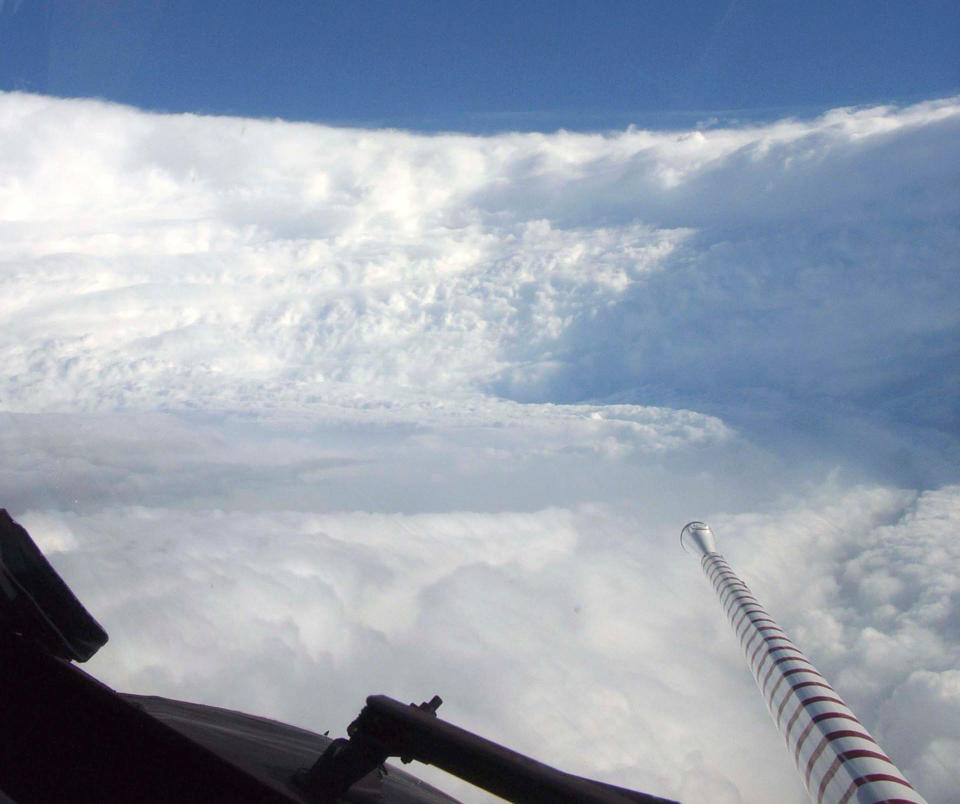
(387,728)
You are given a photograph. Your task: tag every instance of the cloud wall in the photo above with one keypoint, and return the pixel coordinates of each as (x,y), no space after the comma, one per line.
(306,413)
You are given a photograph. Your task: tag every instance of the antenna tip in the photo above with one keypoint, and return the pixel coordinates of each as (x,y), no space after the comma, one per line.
(697,537)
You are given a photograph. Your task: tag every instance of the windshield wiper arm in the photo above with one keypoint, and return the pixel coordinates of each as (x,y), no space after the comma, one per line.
(387,728)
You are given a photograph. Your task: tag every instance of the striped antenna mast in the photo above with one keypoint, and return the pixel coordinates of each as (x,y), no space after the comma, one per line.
(836,757)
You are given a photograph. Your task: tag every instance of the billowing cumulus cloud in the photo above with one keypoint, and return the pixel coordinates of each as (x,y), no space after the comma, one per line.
(305,413)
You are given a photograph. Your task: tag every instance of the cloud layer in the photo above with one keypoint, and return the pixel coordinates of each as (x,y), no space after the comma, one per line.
(305,413)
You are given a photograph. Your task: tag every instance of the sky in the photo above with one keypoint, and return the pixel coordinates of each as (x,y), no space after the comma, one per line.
(490,66)
(395,360)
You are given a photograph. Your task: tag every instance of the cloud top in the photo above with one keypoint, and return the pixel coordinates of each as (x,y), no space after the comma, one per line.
(287,401)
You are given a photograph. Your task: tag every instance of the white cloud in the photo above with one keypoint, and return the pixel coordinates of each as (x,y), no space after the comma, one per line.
(307,413)
(584,636)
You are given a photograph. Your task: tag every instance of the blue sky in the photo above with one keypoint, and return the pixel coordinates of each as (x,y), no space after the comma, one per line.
(484,66)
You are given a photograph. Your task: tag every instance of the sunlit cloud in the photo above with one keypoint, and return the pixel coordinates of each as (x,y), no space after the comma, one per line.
(304,413)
